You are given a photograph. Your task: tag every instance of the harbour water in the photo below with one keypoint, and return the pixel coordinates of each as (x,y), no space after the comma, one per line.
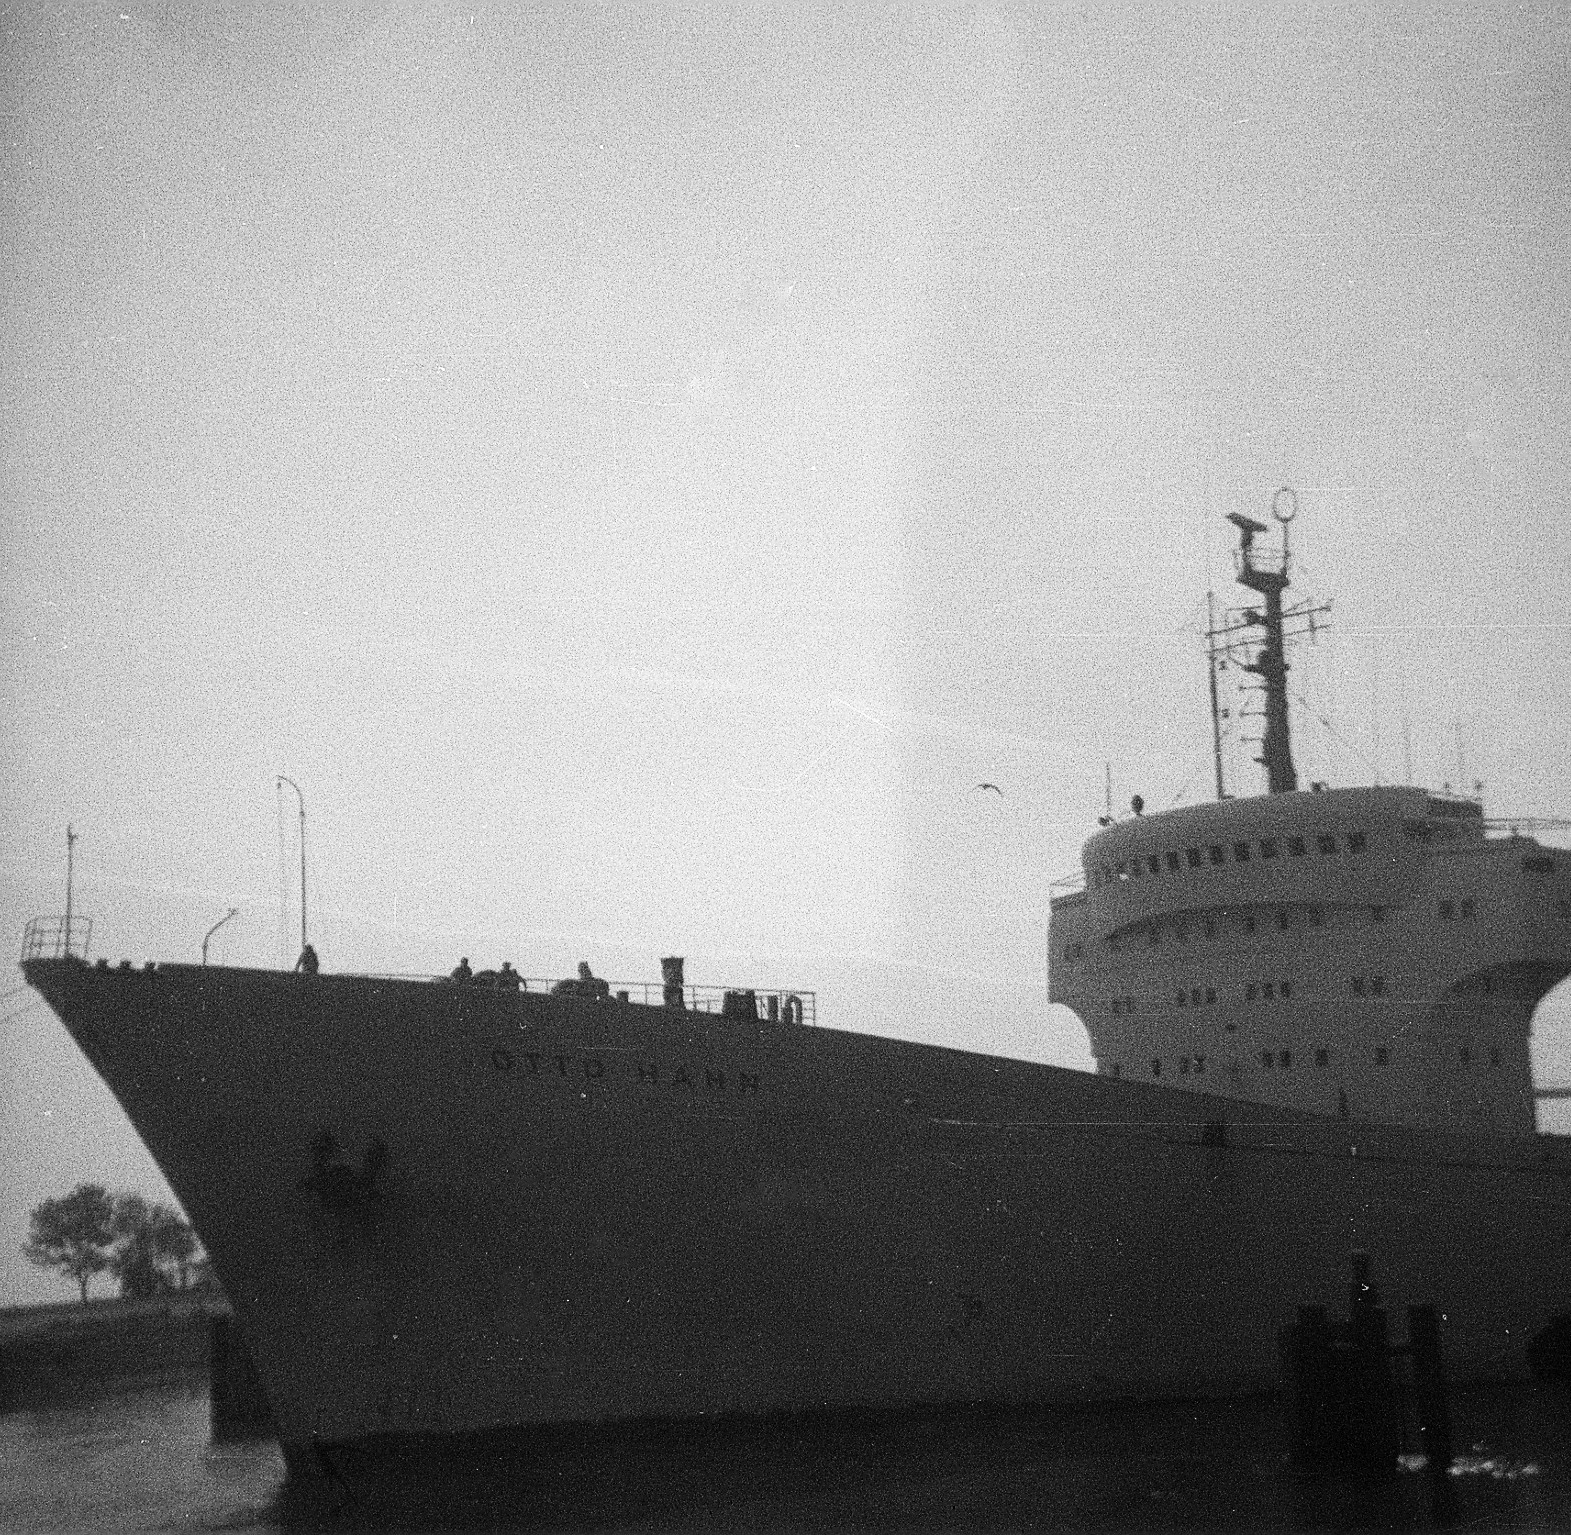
(134,1459)
(141,1460)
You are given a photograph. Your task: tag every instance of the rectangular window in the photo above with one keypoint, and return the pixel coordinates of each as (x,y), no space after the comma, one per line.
(1268,991)
(1156,1068)
(1112,943)
(1295,845)
(1465,1056)
(1193,855)
(1447,910)
(1118,1068)
(1268,847)
(1358,985)
(1494,1057)
(1154,864)
(1355,842)
(1172,860)
(1267,1059)
(1156,936)
(1382,1056)
(1316,916)
(1328,844)
(1281,920)
(1183,1065)
(1249,924)
(1377,913)
(1200,1065)
(1210,928)
(1250,992)
(1378,985)
(1183,997)
(1468,909)
(1210,993)
(1287,989)
(1240,852)
(1285,1060)
(1322,1057)
(1217,855)
(1134,867)
(1118,1006)
(1194,996)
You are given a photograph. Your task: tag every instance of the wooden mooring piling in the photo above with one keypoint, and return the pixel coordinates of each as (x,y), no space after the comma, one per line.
(240,1409)
(1355,1399)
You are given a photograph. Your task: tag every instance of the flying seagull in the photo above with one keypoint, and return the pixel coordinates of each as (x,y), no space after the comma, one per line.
(993,786)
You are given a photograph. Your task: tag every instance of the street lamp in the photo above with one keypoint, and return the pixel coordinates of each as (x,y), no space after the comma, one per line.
(296,787)
(214,928)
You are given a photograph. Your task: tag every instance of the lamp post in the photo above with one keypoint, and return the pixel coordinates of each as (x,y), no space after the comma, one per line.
(296,787)
(214,928)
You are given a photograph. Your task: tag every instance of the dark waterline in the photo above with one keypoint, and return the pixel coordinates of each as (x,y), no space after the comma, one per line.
(141,1459)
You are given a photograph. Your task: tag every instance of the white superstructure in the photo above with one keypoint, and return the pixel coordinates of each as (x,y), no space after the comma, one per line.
(1371,953)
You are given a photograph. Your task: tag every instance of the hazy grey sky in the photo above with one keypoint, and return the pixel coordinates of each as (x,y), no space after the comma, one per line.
(637,469)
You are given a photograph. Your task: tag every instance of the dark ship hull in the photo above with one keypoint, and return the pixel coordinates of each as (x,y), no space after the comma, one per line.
(442,1210)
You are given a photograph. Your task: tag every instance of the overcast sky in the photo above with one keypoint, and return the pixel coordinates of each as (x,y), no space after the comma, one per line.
(638,469)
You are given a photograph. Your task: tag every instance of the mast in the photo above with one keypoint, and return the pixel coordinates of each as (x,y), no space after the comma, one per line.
(1261,573)
(1216,711)
(70,843)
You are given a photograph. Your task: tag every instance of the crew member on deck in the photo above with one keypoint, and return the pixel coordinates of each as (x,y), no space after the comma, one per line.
(508,978)
(307,964)
(462,972)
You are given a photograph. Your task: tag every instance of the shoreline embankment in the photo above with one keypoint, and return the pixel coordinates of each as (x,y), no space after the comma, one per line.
(56,1353)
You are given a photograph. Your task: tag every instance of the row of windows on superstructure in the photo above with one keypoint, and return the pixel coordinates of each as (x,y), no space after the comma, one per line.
(1282,1060)
(1254,991)
(1176,860)
(1249,922)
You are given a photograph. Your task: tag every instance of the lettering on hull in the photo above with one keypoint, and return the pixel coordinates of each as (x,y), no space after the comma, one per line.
(680,1077)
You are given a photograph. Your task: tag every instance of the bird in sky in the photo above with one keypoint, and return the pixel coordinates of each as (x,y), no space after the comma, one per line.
(993,786)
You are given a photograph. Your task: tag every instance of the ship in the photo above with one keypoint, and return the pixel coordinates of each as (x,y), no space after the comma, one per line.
(444,1209)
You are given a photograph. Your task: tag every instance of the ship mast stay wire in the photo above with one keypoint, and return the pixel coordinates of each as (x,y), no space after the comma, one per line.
(1334,733)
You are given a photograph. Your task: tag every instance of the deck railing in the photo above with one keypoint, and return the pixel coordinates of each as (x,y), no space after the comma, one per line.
(48,938)
(731,1001)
